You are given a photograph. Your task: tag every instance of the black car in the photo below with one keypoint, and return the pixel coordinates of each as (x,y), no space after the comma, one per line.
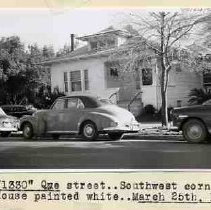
(194,121)
(18,110)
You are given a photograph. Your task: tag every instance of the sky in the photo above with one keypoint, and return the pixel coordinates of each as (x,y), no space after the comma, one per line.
(52,27)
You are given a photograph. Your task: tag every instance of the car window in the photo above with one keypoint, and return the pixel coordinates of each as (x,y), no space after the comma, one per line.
(21,109)
(59,104)
(80,104)
(207,102)
(105,101)
(2,112)
(72,103)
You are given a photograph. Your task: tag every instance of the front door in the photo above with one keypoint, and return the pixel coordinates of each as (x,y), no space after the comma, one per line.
(74,110)
(55,116)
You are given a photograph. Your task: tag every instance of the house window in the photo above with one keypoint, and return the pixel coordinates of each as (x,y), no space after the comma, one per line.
(178,68)
(102,44)
(179,103)
(113,72)
(147,76)
(86,80)
(75,81)
(208,58)
(65,82)
(137,79)
(207,77)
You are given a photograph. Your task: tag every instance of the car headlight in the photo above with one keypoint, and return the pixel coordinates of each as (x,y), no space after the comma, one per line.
(113,124)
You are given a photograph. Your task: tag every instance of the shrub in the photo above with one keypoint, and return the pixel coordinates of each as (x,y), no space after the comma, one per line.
(198,96)
(149,109)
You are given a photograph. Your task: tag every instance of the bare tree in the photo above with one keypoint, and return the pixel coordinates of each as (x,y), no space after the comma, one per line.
(161,34)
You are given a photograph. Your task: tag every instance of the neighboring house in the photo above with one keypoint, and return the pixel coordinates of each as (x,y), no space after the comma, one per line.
(88,70)
(207,72)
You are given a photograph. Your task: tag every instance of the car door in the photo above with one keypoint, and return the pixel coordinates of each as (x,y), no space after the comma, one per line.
(74,108)
(55,117)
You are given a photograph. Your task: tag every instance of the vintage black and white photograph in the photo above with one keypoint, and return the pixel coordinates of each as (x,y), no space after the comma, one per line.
(105,88)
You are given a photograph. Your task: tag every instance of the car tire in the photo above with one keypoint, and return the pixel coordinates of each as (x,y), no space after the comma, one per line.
(194,131)
(55,136)
(115,136)
(5,134)
(28,132)
(89,131)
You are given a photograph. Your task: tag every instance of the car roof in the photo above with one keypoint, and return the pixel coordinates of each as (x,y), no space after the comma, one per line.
(12,105)
(88,100)
(79,96)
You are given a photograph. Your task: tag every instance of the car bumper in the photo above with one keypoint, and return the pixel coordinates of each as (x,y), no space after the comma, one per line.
(177,122)
(125,129)
(8,129)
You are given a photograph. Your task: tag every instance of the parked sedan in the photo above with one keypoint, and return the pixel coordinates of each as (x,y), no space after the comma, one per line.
(194,121)
(18,110)
(84,115)
(8,124)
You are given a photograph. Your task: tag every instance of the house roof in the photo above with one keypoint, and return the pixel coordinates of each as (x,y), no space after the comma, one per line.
(80,53)
(108,30)
(85,52)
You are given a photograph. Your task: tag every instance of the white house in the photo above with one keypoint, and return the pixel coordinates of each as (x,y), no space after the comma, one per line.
(87,70)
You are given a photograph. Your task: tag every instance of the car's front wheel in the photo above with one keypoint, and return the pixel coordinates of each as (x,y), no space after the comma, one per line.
(5,133)
(115,136)
(89,131)
(28,131)
(194,131)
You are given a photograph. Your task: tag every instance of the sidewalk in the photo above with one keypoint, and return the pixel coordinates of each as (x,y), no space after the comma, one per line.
(155,131)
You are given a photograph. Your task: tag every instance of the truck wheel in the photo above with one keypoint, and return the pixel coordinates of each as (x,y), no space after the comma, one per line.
(28,131)
(115,136)
(89,130)
(194,131)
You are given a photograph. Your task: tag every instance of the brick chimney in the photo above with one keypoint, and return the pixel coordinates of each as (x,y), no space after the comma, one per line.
(72,42)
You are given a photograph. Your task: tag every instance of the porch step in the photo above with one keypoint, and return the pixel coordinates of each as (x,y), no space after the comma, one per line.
(135,108)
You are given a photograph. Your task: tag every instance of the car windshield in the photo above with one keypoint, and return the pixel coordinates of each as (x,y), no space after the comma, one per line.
(207,102)
(2,112)
(105,101)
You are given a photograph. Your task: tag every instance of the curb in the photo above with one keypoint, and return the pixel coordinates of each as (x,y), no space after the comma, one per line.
(136,136)
(153,137)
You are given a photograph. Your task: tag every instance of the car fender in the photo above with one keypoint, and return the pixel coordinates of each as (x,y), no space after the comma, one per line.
(29,119)
(101,120)
(37,121)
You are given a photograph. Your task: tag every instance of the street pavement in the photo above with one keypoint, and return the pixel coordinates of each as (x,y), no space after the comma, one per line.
(128,153)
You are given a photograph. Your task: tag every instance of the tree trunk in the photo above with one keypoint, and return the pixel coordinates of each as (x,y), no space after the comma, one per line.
(164,109)
(164,112)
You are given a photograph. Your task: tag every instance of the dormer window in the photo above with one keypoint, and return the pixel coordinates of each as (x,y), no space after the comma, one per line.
(111,43)
(103,43)
(105,39)
(93,45)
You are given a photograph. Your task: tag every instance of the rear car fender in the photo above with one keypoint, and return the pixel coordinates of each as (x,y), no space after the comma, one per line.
(101,120)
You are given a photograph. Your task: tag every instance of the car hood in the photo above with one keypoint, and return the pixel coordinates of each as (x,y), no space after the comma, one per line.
(3,117)
(117,112)
(188,108)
